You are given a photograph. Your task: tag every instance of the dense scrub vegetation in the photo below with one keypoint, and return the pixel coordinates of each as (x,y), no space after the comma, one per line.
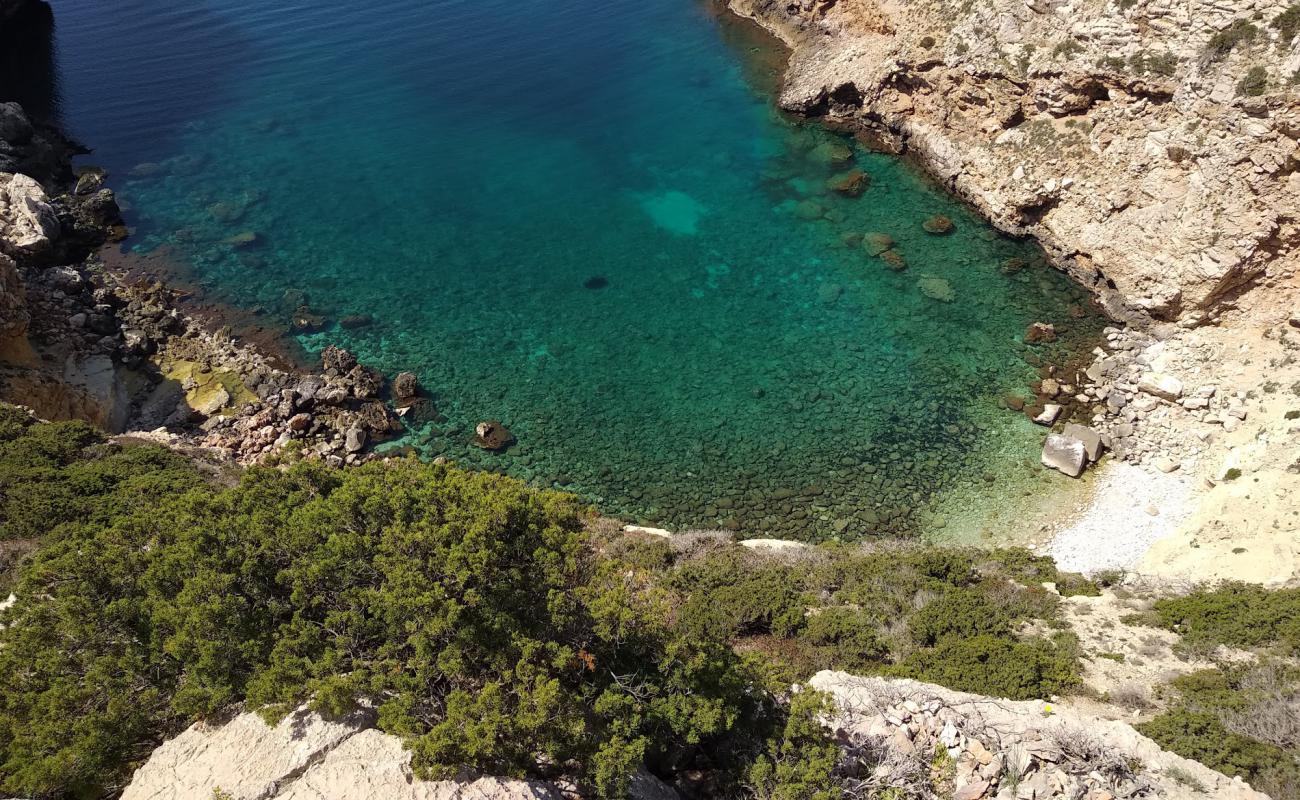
(492,625)
(468,607)
(1244,718)
(1234,614)
(1241,720)
(949,616)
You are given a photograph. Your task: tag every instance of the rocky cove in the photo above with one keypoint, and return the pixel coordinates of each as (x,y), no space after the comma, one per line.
(1187,401)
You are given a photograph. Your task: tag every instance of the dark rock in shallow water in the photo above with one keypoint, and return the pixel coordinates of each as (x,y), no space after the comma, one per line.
(1040,332)
(937,225)
(354,321)
(406,386)
(850,184)
(492,435)
(595,282)
(304,321)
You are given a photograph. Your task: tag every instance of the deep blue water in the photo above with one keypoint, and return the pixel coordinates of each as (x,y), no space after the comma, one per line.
(463,170)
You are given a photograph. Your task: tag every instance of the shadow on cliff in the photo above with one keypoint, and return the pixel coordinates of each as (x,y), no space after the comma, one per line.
(28,69)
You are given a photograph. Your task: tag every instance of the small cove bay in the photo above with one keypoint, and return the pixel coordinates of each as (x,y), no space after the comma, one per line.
(587,221)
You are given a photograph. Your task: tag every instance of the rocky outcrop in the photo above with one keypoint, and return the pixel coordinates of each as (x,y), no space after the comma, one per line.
(309,757)
(1003,749)
(1150,147)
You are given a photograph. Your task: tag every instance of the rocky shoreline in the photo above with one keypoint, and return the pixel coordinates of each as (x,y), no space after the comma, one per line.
(84,341)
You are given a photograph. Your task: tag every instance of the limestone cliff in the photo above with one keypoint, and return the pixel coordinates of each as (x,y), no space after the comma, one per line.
(1150,146)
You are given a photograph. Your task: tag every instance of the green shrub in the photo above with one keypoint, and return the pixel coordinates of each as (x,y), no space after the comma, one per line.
(997,666)
(849,637)
(1163,64)
(960,613)
(798,762)
(1206,723)
(1200,736)
(1287,24)
(1238,33)
(1234,614)
(469,607)
(1067,48)
(1253,84)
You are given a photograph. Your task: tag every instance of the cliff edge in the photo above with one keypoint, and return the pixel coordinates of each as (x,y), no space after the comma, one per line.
(1150,146)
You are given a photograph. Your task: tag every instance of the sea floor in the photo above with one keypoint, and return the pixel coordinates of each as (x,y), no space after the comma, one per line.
(591,224)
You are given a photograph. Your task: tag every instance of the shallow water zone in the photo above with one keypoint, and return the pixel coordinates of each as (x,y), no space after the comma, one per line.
(581,219)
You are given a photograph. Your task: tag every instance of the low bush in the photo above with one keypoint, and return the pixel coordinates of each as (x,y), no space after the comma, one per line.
(1287,24)
(1234,614)
(1240,720)
(1238,33)
(468,607)
(1253,84)
(997,666)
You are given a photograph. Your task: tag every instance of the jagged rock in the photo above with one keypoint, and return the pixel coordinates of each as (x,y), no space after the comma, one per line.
(1056,753)
(492,435)
(366,382)
(1152,181)
(337,361)
(28,223)
(355,439)
(1064,454)
(15,128)
(14,316)
(406,386)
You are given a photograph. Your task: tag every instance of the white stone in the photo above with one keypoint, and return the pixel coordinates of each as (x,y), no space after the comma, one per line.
(1064,454)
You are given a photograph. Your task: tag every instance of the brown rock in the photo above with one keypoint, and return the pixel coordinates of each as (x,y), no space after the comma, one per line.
(1040,333)
(492,435)
(406,386)
(850,184)
(939,225)
(876,243)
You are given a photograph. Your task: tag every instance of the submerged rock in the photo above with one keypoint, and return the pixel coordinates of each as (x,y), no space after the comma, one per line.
(936,288)
(850,184)
(1040,333)
(876,243)
(937,225)
(832,153)
(894,260)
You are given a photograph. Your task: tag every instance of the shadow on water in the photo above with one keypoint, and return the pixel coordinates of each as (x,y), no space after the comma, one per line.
(28,72)
(130,91)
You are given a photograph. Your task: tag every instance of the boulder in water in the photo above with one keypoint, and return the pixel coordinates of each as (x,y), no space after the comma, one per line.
(833,153)
(876,243)
(937,225)
(492,435)
(850,184)
(406,386)
(1040,333)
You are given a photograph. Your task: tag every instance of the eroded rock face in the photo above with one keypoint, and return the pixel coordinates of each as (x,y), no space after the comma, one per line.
(309,757)
(28,224)
(1056,752)
(1117,135)
(14,316)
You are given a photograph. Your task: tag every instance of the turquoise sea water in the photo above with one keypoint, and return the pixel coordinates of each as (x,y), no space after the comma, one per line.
(587,220)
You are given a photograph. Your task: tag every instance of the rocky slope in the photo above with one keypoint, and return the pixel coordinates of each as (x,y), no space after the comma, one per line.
(1004,749)
(1149,146)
